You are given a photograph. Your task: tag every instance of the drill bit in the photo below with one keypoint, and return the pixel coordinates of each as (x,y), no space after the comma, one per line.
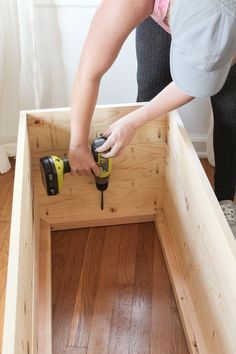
(102,201)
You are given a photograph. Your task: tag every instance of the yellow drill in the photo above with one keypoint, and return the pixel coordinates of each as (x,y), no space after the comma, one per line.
(53,169)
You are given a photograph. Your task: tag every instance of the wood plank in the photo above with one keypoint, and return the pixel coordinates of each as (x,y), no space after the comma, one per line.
(121,199)
(116,220)
(18,318)
(35,280)
(183,299)
(45,291)
(50,129)
(137,176)
(67,263)
(195,218)
(102,314)
(85,298)
(142,305)
(167,331)
(119,337)
(122,309)
(127,255)
(75,350)
(141,189)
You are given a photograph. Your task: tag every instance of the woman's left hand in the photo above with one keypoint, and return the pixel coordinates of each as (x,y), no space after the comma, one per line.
(119,135)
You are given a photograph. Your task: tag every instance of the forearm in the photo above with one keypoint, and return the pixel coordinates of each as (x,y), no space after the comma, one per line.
(170,98)
(84,97)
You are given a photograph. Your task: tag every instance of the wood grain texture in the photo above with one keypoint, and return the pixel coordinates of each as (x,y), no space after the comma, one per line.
(137,176)
(6,188)
(44,291)
(19,313)
(67,263)
(162,291)
(85,298)
(194,218)
(184,301)
(120,300)
(203,244)
(50,129)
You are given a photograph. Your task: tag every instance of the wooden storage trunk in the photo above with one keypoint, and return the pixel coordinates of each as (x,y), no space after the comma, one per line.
(159,178)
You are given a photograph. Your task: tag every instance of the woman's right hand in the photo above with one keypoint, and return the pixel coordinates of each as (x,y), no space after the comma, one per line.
(82,162)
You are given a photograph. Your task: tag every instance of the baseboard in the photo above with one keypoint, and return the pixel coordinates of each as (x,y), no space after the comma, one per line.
(199,142)
(6,151)
(10,149)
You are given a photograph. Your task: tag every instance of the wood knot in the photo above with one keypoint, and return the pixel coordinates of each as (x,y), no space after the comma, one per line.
(187,203)
(113,210)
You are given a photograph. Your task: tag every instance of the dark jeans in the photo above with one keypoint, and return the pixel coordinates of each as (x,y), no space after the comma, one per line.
(153,48)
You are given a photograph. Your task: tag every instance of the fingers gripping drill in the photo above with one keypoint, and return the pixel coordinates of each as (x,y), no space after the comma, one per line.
(53,169)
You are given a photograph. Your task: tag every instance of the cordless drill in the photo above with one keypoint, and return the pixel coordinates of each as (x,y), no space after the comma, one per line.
(53,169)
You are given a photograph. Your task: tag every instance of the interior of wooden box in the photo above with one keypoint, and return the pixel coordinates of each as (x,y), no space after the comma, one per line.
(135,193)
(158,179)
(136,187)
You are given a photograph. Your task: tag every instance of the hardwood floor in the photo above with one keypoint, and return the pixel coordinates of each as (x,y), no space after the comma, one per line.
(72,339)
(112,293)
(6,190)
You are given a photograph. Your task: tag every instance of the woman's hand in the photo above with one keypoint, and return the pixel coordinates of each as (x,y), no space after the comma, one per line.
(119,135)
(82,162)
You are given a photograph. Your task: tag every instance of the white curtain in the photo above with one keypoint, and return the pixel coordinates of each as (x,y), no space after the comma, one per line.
(20,83)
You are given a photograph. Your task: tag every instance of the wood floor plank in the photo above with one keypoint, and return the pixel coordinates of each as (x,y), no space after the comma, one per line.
(121,320)
(127,254)
(6,190)
(85,297)
(106,289)
(67,261)
(140,335)
(122,309)
(75,350)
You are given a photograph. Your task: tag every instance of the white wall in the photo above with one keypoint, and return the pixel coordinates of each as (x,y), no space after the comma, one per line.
(61,28)
(61,31)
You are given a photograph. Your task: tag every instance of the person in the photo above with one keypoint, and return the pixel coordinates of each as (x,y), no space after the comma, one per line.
(202,52)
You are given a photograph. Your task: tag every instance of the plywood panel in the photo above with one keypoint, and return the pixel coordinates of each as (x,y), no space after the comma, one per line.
(136,183)
(122,202)
(203,244)
(50,129)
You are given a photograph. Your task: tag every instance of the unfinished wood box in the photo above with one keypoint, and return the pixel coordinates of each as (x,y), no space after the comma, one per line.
(159,178)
